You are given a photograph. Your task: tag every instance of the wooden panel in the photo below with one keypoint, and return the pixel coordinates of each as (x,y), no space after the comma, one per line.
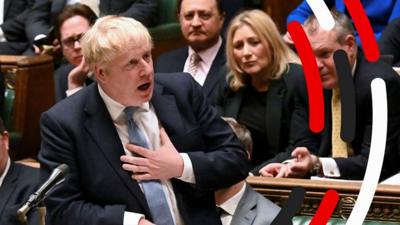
(279,10)
(34,93)
(385,205)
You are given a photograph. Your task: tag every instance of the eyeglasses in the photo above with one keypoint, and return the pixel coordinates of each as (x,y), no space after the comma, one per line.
(70,42)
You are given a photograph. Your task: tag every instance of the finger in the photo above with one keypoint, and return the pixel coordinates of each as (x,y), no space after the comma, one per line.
(135,169)
(164,137)
(139,150)
(138,161)
(265,174)
(145,176)
(281,172)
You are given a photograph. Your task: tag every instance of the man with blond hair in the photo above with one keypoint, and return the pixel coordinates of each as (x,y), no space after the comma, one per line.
(142,148)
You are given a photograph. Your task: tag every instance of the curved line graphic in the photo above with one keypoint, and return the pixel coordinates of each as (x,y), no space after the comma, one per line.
(293,204)
(322,13)
(312,76)
(347,96)
(376,154)
(363,26)
(326,208)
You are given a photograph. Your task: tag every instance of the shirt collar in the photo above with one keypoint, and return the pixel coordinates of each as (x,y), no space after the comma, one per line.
(231,204)
(207,56)
(115,108)
(5,171)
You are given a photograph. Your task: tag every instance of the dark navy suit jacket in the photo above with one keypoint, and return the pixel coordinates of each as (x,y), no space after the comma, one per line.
(80,132)
(20,182)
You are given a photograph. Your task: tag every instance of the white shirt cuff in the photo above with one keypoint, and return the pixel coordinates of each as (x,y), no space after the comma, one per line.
(131,218)
(2,37)
(188,174)
(329,167)
(39,36)
(70,92)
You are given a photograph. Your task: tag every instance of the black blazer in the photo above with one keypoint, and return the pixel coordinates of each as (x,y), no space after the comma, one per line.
(61,80)
(79,131)
(280,105)
(20,182)
(13,26)
(389,43)
(44,13)
(320,144)
(174,61)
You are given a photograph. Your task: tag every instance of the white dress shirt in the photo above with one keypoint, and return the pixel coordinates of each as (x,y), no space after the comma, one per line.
(207,58)
(147,121)
(2,36)
(230,206)
(5,171)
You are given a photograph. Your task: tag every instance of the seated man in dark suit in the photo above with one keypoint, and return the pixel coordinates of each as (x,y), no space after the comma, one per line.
(239,204)
(44,13)
(142,148)
(13,40)
(17,182)
(326,154)
(201,23)
(72,23)
(389,43)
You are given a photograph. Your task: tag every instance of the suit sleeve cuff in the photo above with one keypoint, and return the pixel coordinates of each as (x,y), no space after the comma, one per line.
(131,218)
(329,167)
(70,92)
(188,174)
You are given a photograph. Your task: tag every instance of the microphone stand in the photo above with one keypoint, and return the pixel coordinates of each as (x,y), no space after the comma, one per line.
(41,209)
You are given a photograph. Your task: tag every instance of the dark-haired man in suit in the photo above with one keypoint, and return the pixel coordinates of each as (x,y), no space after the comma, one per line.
(141,147)
(44,13)
(201,23)
(17,182)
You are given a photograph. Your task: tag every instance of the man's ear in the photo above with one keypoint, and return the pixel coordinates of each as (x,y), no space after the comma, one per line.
(5,140)
(99,73)
(351,46)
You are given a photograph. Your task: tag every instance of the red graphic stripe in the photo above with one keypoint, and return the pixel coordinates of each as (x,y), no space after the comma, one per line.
(326,208)
(312,76)
(363,26)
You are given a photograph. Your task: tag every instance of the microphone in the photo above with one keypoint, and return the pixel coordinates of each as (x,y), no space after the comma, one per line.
(56,177)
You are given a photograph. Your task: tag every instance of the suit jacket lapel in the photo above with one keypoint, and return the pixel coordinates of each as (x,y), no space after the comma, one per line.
(8,187)
(273,112)
(214,74)
(167,111)
(233,104)
(7,4)
(245,213)
(326,135)
(101,128)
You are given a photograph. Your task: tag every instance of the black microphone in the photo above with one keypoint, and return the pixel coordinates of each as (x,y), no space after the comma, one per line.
(56,177)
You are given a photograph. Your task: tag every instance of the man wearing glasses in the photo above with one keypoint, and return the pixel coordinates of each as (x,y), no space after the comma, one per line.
(71,24)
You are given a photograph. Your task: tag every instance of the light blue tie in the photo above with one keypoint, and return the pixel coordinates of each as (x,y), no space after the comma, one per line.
(152,189)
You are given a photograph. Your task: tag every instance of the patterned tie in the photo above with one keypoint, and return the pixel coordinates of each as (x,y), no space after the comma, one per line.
(339,147)
(153,190)
(194,63)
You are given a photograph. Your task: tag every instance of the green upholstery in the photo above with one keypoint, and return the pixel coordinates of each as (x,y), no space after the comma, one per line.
(15,137)
(305,220)
(9,96)
(168,27)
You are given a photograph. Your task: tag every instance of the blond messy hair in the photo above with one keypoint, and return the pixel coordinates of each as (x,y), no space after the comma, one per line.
(110,36)
(264,27)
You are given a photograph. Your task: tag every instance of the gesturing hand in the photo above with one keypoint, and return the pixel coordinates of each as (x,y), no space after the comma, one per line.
(162,163)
